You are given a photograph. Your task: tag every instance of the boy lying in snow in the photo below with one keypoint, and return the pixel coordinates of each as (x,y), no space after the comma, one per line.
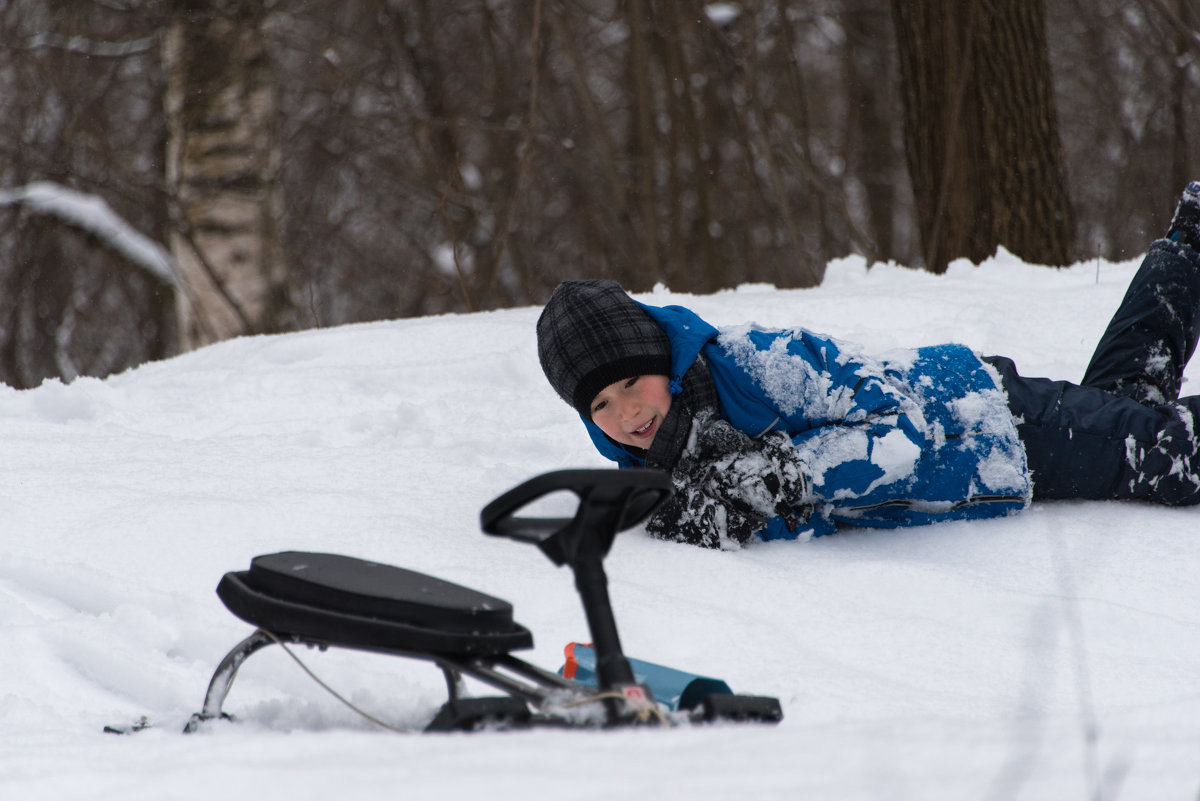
(787,433)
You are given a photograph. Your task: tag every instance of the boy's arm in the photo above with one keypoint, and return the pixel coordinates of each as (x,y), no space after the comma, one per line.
(852,427)
(850,460)
(799,381)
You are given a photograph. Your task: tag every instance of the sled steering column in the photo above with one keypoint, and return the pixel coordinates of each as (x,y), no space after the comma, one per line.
(610,501)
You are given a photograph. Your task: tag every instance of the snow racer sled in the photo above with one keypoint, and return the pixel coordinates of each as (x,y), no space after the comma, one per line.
(327,600)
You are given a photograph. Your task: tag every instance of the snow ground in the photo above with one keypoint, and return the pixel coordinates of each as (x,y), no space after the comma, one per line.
(1050,655)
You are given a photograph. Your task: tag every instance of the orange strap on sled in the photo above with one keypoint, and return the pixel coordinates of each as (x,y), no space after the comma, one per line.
(571,665)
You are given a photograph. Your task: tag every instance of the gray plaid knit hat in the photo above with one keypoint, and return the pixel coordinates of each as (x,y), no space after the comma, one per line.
(591,334)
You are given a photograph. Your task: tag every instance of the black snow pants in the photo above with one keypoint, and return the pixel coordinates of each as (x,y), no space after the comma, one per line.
(1123,431)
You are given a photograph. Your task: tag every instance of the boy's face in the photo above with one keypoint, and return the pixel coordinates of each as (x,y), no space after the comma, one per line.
(631,410)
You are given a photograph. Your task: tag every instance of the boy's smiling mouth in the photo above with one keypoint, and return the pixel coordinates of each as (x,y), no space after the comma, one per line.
(646,429)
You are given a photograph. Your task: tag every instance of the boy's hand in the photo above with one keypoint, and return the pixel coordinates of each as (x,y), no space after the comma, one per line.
(761,477)
(727,486)
(694,516)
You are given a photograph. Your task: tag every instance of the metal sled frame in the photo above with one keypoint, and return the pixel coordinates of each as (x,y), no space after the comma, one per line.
(328,600)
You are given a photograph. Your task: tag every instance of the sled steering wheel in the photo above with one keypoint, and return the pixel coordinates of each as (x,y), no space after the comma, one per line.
(609,501)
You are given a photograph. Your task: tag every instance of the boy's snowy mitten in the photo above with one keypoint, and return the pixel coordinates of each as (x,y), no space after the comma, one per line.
(727,486)
(757,477)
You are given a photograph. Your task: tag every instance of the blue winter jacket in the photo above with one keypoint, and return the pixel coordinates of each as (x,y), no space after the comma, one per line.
(914,437)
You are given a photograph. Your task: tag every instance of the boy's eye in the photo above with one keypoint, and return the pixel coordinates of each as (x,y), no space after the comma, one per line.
(632,381)
(599,406)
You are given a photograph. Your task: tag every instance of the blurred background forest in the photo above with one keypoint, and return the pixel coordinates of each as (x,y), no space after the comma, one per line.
(174,172)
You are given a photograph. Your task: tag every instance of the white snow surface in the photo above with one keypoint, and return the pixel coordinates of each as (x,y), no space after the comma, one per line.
(1054,654)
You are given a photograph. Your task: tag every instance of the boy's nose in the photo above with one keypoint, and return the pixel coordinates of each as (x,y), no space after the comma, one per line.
(630,408)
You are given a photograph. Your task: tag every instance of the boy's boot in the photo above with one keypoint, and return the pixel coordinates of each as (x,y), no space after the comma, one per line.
(1185,226)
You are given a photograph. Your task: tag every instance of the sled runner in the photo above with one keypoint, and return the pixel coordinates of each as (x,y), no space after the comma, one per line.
(332,601)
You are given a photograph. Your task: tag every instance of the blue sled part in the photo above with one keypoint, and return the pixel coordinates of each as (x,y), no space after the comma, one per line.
(675,689)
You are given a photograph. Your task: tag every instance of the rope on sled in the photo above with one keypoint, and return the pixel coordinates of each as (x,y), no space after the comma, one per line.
(331,691)
(644,714)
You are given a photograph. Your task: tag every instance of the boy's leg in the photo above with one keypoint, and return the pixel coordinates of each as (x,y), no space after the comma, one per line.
(1154,331)
(1083,442)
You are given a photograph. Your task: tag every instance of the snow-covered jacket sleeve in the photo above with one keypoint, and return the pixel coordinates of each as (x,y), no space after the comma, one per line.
(854,430)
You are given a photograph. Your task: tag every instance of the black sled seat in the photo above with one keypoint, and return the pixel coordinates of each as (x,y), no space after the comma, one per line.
(328,599)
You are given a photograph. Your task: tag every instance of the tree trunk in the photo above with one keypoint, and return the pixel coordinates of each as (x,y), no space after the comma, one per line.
(221,171)
(1180,167)
(868,129)
(981,136)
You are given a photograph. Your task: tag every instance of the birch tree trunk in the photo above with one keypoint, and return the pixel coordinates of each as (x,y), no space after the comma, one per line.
(221,171)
